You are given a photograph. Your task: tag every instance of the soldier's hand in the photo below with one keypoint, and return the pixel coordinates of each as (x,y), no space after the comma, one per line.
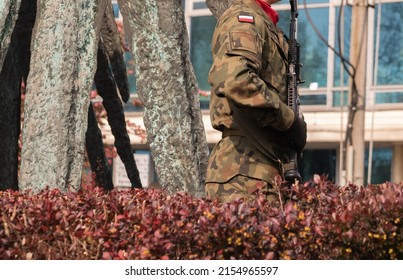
(296,134)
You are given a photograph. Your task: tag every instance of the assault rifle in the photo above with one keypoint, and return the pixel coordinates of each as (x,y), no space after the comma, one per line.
(294,79)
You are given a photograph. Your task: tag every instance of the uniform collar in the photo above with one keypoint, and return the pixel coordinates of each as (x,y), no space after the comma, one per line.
(273,15)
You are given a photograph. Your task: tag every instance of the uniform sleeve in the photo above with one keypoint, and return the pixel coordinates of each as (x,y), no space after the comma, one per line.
(237,60)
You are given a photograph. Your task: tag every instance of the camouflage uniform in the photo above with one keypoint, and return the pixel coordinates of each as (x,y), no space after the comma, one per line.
(249,69)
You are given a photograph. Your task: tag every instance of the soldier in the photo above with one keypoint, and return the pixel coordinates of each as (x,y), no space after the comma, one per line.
(249,89)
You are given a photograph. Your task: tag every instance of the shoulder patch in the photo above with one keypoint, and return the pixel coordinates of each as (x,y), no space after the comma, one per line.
(246,18)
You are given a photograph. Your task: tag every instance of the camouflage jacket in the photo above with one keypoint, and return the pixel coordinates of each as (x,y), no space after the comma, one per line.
(249,69)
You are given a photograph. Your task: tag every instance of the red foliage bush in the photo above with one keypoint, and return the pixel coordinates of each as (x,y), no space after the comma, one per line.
(317,221)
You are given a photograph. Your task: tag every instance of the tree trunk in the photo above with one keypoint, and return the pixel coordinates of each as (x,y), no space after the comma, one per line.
(108,82)
(217,8)
(15,69)
(8,16)
(63,63)
(107,89)
(113,46)
(10,96)
(96,153)
(167,87)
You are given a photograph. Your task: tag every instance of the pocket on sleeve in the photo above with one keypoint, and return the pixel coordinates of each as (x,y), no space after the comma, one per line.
(245,44)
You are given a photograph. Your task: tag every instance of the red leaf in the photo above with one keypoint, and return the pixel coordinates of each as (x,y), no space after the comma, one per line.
(316,179)
(158,234)
(106,256)
(318,230)
(269,256)
(121,254)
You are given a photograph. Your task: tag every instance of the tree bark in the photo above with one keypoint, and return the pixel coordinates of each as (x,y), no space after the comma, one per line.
(8,16)
(217,8)
(62,68)
(167,87)
(15,69)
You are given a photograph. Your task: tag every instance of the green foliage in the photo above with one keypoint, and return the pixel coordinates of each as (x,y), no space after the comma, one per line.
(318,220)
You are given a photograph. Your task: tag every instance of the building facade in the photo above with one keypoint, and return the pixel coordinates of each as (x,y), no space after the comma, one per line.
(324,28)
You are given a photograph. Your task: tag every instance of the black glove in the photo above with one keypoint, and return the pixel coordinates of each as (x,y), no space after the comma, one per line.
(296,134)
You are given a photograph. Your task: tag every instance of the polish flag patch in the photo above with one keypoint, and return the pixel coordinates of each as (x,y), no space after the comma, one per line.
(246,18)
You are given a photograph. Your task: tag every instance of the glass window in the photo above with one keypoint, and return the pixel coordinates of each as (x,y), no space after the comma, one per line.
(313,50)
(199,5)
(381,165)
(342,34)
(116,10)
(204,102)
(388,97)
(284,21)
(390,60)
(321,162)
(130,71)
(201,31)
(337,99)
(317,99)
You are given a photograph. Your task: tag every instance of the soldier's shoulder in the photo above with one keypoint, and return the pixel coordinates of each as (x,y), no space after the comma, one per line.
(240,14)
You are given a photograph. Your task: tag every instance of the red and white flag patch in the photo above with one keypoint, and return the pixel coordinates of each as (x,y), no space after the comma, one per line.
(246,18)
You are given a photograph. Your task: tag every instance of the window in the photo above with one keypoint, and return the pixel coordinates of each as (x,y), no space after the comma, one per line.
(321,162)
(313,51)
(317,99)
(388,97)
(340,99)
(381,165)
(342,46)
(390,59)
(199,5)
(202,29)
(116,10)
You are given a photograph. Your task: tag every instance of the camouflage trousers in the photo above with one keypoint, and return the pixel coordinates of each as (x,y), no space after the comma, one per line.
(242,187)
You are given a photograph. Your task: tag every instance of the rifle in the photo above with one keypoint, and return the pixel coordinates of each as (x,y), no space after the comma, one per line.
(294,79)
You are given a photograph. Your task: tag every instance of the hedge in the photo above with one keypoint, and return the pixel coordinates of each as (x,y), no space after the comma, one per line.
(316,220)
